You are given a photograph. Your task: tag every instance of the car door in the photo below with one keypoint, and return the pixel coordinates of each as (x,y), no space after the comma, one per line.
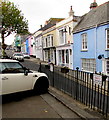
(13,78)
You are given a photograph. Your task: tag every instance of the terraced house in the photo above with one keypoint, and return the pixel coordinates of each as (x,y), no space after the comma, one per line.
(64,51)
(91,40)
(50,40)
(38,44)
(45,41)
(53,41)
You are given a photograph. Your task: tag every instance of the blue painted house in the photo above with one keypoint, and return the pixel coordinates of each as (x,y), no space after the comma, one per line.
(27,46)
(91,40)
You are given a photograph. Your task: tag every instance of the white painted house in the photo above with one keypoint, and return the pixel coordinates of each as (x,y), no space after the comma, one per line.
(64,28)
(38,44)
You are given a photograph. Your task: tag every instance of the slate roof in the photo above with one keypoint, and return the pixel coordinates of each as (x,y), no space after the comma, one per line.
(51,23)
(96,16)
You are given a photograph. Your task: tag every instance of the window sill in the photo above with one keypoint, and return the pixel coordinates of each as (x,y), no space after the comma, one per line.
(84,50)
(106,49)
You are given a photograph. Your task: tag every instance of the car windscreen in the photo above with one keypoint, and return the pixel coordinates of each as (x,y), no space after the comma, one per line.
(25,53)
(18,55)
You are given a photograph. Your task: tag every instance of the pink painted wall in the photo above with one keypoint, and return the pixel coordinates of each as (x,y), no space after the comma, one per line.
(30,45)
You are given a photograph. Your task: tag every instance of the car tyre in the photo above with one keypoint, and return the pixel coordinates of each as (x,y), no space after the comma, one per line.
(41,86)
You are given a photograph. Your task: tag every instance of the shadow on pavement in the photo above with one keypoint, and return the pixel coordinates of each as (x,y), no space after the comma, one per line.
(17,96)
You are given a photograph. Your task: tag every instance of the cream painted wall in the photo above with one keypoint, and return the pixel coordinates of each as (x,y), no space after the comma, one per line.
(51,31)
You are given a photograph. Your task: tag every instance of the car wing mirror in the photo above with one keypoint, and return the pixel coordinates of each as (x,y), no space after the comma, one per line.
(26,72)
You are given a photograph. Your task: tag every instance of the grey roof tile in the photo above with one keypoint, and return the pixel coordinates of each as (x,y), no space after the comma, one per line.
(96,16)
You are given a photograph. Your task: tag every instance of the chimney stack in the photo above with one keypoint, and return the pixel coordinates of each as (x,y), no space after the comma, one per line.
(93,5)
(46,22)
(40,26)
(71,13)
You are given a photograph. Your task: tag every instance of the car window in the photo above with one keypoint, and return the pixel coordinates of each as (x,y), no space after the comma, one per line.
(18,54)
(25,53)
(11,67)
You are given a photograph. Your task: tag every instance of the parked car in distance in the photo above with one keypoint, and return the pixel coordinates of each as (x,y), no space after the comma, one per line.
(16,78)
(18,56)
(26,55)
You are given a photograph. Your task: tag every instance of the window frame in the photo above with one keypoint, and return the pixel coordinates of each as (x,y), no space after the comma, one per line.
(52,39)
(67,55)
(105,68)
(89,65)
(70,30)
(84,42)
(107,39)
(61,36)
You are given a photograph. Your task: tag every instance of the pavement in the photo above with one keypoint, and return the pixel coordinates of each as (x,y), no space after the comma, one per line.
(83,111)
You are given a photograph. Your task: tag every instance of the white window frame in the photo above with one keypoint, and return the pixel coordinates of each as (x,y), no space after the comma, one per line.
(61,36)
(52,39)
(36,42)
(107,39)
(88,65)
(104,68)
(46,55)
(44,42)
(48,40)
(60,56)
(51,55)
(70,30)
(67,56)
(84,42)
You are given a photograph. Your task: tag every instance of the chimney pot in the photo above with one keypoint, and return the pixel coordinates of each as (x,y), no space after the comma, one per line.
(93,5)
(40,26)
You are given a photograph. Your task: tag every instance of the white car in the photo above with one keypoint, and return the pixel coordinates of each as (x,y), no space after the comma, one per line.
(17,78)
(18,56)
(26,55)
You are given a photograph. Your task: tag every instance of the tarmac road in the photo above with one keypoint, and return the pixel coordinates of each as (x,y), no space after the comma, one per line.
(34,106)
(28,105)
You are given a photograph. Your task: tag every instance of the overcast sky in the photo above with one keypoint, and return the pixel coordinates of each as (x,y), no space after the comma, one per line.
(38,11)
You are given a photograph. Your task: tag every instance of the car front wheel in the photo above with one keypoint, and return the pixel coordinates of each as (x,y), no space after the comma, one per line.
(41,86)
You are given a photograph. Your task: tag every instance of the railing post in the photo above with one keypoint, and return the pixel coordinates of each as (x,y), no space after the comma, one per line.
(77,83)
(107,109)
(52,70)
(53,75)
(39,70)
